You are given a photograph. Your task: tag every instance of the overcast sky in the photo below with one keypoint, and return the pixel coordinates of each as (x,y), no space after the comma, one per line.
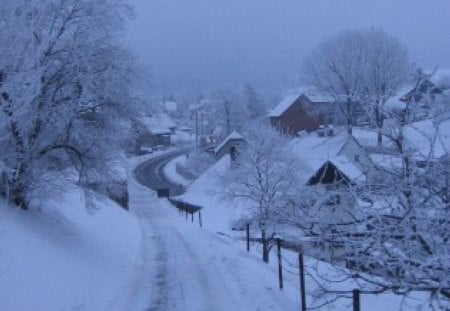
(201,44)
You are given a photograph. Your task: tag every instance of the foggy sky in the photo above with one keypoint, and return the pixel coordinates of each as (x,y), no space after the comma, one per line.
(194,45)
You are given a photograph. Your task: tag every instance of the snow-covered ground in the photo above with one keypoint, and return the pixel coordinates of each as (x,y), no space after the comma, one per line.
(170,170)
(218,215)
(151,258)
(63,258)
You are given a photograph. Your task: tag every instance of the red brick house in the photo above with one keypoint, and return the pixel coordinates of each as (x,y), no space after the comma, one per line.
(294,114)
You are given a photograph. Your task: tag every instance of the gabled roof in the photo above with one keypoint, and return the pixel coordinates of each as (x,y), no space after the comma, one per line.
(315,151)
(233,136)
(328,173)
(314,95)
(346,168)
(201,191)
(368,139)
(436,84)
(309,92)
(284,105)
(314,147)
(351,171)
(429,139)
(158,123)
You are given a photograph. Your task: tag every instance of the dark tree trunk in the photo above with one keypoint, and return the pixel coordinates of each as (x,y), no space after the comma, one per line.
(17,190)
(265,246)
(379,123)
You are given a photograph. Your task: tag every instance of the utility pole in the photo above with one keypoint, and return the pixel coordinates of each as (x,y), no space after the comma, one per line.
(196,127)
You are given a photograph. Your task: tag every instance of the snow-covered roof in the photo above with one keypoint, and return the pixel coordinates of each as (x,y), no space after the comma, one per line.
(367,137)
(314,147)
(315,151)
(441,78)
(170,106)
(201,192)
(429,139)
(394,102)
(159,123)
(314,95)
(310,92)
(283,105)
(232,136)
(348,168)
(386,161)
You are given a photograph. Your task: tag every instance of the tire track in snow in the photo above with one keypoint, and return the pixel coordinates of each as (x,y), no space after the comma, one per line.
(159,300)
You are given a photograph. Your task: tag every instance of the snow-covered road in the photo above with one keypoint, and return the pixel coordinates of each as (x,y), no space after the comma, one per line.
(183,267)
(150,173)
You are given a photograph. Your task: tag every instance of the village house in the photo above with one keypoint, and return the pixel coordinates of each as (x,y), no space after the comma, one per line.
(336,146)
(332,163)
(230,145)
(293,115)
(153,131)
(430,97)
(306,109)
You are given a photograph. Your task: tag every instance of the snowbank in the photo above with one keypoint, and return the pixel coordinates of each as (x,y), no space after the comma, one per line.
(60,257)
(170,170)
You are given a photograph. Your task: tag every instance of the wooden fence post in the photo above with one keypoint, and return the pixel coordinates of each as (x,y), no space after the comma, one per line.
(280,266)
(247,233)
(200,219)
(356,300)
(301,265)
(192,217)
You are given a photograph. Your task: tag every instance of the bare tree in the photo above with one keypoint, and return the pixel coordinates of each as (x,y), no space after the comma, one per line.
(262,177)
(254,103)
(228,111)
(364,68)
(337,68)
(386,71)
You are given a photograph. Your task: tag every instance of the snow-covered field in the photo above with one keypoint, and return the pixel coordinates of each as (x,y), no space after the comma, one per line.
(151,258)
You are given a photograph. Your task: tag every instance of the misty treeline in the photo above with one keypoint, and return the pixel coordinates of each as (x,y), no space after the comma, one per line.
(222,110)
(388,232)
(67,92)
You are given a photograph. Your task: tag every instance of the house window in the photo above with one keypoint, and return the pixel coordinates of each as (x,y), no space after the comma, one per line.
(356,157)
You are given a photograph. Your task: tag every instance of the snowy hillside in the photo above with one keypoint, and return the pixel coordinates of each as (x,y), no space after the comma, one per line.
(63,258)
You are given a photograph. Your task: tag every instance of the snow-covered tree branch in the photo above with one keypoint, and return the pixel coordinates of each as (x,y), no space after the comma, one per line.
(64,89)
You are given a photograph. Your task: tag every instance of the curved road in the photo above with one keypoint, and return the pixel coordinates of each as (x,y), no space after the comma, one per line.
(150,173)
(181,267)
